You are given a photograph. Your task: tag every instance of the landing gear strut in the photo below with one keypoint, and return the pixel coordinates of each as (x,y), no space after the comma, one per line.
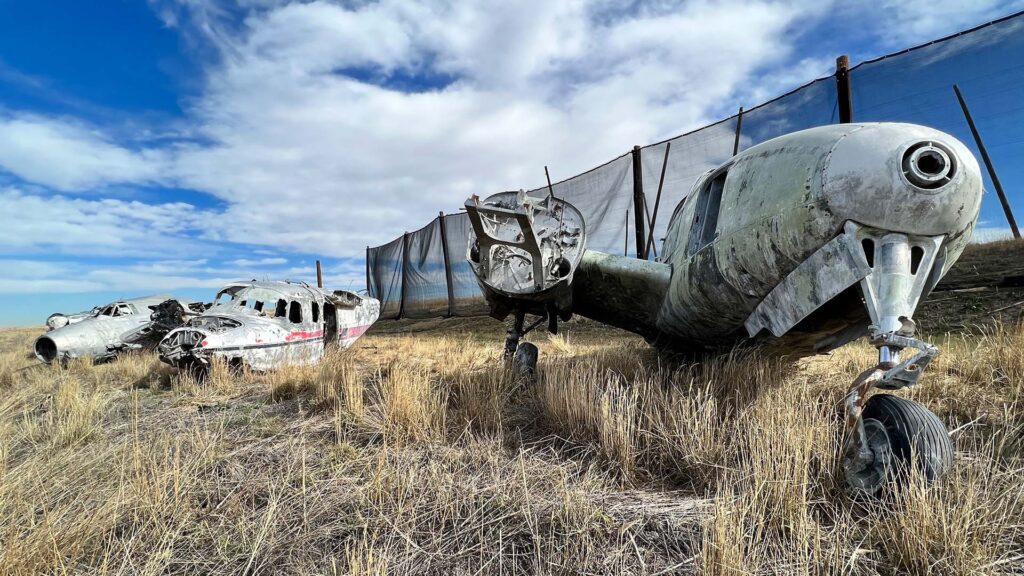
(887,434)
(523,356)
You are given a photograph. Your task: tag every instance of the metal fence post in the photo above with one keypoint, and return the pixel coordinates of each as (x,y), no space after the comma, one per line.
(657,201)
(447,265)
(405,270)
(625,241)
(368,275)
(844,94)
(988,164)
(638,203)
(739,127)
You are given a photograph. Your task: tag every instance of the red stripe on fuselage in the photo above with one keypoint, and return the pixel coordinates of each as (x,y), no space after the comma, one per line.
(344,332)
(301,335)
(353,331)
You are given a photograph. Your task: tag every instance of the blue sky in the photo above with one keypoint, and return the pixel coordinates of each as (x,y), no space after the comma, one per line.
(172,146)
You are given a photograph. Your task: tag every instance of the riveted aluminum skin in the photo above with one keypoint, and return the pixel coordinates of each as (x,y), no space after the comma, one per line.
(786,199)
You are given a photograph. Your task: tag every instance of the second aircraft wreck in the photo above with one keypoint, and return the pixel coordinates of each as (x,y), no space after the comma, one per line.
(811,240)
(262,325)
(267,324)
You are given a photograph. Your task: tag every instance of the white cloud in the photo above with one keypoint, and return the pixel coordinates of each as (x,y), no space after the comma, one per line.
(244,262)
(68,155)
(30,276)
(70,276)
(308,157)
(105,227)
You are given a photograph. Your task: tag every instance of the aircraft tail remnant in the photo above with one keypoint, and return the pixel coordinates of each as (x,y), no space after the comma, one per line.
(812,239)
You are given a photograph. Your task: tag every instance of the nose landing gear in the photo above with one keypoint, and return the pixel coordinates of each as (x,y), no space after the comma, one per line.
(523,356)
(887,434)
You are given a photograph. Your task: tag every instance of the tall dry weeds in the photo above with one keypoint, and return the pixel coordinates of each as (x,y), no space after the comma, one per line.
(421,454)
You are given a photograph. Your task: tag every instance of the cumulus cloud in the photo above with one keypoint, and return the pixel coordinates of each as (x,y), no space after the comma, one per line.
(68,155)
(37,223)
(308,150)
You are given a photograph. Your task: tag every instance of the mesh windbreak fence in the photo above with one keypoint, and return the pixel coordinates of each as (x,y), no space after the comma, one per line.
(689,156)
(917,86)
(426,286)
(811,105)
(693,154)
(469,300)
(385,276)
(603,195)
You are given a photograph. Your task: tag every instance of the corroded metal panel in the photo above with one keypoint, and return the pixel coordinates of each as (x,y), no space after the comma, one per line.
(835,267)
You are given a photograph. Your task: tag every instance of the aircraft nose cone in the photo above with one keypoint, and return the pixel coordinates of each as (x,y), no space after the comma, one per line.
(903,178)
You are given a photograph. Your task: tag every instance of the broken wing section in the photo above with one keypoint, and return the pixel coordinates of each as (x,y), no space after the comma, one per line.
(107,330)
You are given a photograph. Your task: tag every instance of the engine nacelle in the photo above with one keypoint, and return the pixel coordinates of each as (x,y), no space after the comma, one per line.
(525,250)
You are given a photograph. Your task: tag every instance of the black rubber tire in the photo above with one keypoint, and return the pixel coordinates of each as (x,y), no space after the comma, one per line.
(912,429)
(525,360)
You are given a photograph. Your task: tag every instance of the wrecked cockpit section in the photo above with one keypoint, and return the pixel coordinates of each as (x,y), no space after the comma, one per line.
(524,252)
(525,248)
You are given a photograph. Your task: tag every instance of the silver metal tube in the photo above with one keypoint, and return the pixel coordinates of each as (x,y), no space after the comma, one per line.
(888,355)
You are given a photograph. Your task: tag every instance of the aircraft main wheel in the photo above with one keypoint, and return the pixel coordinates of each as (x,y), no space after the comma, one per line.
(901,433)
(525,360)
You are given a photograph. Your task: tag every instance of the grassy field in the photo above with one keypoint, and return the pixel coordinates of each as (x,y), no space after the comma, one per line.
(417,452)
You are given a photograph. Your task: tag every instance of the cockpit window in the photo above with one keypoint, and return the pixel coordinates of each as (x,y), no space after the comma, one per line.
(117,309)
(224,298)
(705,216)
(260,300)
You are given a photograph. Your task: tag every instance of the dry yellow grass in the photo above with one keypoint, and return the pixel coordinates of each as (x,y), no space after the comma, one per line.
(421,454)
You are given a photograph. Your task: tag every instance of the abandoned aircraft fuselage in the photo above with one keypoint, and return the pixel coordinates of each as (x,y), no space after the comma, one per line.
(101,333)
(812,239)
(264,325)
(852,191)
